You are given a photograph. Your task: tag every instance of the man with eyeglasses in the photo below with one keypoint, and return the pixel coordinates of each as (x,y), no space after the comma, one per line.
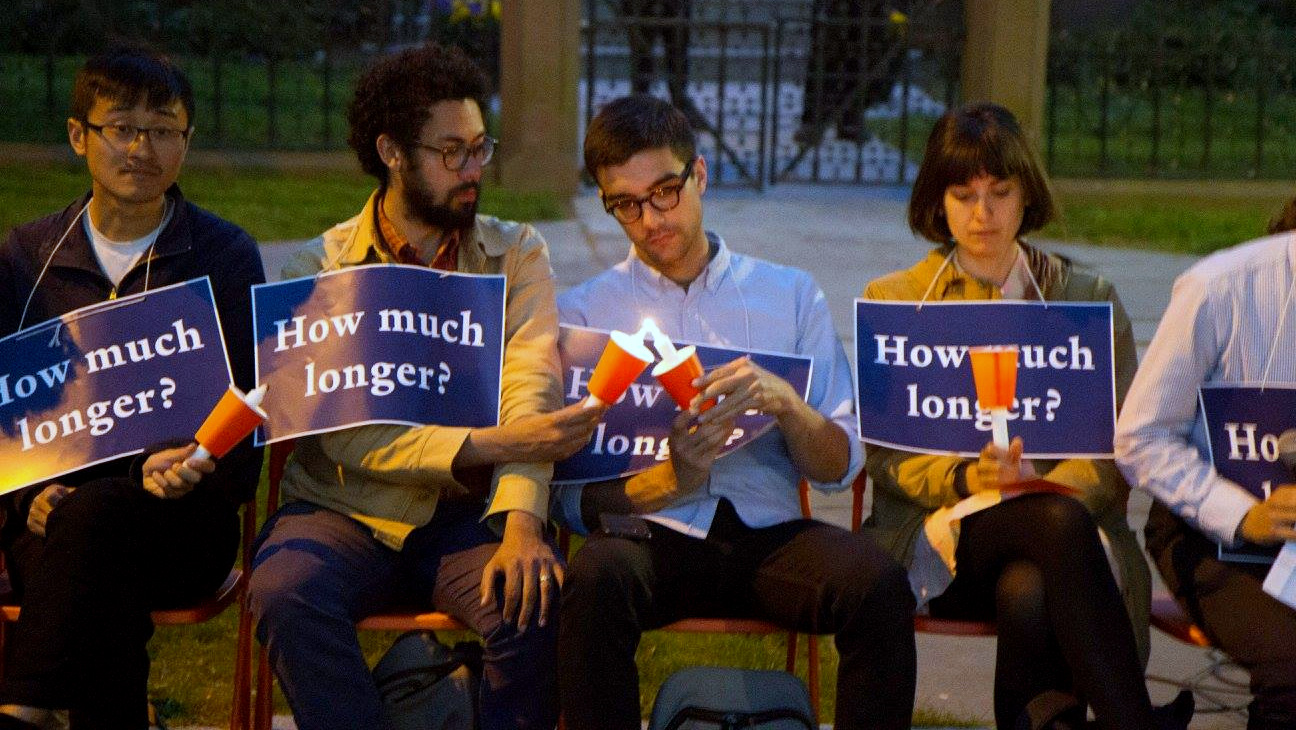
(448,518)
(94,551)
(719,537)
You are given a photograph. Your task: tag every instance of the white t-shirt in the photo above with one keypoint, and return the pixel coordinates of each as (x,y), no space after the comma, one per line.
(117,257)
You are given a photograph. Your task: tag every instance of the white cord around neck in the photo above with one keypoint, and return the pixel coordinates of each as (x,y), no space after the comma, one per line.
(23,319)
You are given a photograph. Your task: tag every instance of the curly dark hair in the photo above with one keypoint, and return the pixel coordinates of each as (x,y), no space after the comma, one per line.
(393,97)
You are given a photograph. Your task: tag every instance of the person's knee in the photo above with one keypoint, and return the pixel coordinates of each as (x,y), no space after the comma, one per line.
(92,527)
(503,641)
(283,592)
(604,569)
(884,599)
(96,509)
(1019,593)
(1061,520)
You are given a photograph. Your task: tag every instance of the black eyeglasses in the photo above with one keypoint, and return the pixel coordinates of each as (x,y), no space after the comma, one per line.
(455,156)
(663,198)
(124,135)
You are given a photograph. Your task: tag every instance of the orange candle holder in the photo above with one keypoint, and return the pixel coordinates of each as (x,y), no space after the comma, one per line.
(235,416)
(677,375)
(994,372)
(623,359)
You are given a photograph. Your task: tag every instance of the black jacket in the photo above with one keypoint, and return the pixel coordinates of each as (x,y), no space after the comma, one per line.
(194,243)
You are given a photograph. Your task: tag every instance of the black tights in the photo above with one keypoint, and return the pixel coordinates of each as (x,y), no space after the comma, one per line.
(1035,566)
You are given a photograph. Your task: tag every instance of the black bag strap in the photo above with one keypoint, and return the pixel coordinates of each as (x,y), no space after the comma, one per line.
(733,720)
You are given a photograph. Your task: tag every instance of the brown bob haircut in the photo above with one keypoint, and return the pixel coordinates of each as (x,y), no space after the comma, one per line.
(967,142)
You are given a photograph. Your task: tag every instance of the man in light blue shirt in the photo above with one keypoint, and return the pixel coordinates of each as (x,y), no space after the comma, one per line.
(726,537)
(1229,321)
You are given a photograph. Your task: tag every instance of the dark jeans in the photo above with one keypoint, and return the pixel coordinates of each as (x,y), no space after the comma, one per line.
(804,575)
(112,553)
(1226,600)
(318,572)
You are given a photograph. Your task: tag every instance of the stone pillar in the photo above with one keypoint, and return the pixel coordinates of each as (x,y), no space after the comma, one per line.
(1005,57)
(539,70)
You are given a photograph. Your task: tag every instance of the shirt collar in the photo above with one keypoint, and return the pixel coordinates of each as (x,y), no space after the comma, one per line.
(399,248)
(1017,285)
(362,246)
(711,278)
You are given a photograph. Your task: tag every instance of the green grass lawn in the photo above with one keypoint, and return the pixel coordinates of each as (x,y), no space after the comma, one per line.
(1179,220)
(270,204)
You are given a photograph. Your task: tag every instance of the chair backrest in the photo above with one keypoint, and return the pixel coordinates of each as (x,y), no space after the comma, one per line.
(279,453)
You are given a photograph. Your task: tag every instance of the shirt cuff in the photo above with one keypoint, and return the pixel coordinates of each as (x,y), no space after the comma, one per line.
(523,487)
(1222,511)
(567,499)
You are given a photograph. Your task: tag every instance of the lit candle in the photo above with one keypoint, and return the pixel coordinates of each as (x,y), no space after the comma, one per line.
(623,358)
(665,348)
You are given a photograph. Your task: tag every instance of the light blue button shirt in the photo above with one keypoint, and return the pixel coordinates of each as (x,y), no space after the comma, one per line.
(738,302)
(1230,316)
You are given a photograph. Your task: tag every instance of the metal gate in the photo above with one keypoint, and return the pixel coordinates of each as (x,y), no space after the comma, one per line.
(834,91)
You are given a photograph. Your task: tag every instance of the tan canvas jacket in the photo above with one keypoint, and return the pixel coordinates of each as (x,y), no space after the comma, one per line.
(908,486)
(391,477)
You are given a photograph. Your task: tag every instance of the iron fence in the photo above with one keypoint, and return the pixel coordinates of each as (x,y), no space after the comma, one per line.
(1148,104)
(782,90)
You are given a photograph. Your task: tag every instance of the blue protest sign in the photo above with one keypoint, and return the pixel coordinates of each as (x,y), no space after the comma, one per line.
(108,380)
(1243,424)
(381,343)
(915,389)
(635,432)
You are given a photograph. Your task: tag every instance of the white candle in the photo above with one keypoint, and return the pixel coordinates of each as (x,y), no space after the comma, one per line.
(665,348)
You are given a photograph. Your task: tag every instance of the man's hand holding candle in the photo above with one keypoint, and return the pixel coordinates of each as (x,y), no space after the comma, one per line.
(744,386)
(694,449)
(818,447)
(541,437)
(172,473)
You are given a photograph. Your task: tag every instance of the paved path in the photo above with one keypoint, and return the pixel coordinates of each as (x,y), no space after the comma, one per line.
(846,237)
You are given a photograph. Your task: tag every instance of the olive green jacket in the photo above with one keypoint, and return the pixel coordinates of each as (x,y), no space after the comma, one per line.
(909,486)
(390,477)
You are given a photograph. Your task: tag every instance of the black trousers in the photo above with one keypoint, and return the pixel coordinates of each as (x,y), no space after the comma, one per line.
(112,553)
(804,575)
(1036,566)
(1226,600)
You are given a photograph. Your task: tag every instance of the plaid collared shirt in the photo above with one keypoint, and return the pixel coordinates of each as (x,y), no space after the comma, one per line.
(400,248)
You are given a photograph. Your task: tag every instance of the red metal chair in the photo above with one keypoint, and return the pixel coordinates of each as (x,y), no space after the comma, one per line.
(233,589)
(393,621)
(922,624)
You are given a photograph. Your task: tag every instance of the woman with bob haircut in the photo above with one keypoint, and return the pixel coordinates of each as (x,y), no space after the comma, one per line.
(1051,570)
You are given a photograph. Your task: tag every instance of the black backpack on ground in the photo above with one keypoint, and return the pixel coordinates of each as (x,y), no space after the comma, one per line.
(426,685)
(722,698)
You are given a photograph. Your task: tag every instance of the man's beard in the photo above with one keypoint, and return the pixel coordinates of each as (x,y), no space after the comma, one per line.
(421,203)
